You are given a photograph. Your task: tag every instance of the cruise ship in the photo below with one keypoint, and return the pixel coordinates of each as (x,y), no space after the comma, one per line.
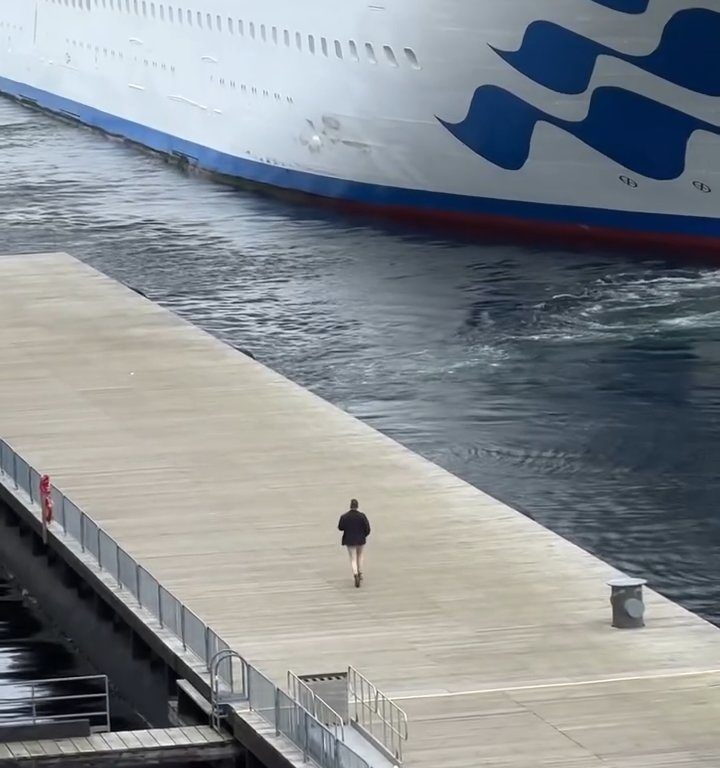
(590,118)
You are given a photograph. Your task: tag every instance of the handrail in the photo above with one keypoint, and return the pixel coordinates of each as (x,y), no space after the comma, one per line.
(37,698)
(374,711)
(317,707)
(224,655)
(173,616)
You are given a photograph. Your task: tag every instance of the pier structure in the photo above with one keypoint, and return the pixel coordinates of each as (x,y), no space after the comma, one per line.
(197,492)
(122,749)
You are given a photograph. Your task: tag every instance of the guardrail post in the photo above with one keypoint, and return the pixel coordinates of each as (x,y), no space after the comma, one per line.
(182,625)
(15,469)
(97,538)
(306,736)
(30,485)
(207,647)
(160,616)
(277,711)
(117,565)
(107,704)
(62,506)
(82,530)
(137,584)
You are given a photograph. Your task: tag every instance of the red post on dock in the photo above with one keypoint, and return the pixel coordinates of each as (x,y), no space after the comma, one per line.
(46,504)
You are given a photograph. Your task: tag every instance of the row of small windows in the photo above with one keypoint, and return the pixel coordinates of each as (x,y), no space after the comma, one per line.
(110,53)
(222,81)
(251,89)
(254,31)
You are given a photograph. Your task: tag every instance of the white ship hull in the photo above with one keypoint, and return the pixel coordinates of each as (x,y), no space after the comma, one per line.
(577,116)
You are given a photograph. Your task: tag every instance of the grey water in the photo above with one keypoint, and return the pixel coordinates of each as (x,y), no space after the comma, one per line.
(580,387)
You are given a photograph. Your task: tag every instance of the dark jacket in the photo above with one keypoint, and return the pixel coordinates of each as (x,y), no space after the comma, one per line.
(355,527)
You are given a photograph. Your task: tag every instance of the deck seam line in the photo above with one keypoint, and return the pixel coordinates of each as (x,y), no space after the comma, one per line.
(542,686)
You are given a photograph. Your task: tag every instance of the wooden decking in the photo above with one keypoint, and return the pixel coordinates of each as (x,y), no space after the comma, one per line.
(226,480)
(122,748)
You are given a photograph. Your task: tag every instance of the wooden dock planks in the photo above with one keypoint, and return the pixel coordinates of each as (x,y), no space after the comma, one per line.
(225,481)
(119,744)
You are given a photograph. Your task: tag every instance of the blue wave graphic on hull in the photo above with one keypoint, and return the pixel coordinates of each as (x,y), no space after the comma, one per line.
(640,134)
(688,54)
(626,6)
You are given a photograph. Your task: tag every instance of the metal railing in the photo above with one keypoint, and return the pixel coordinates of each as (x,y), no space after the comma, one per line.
(45,702)
(319,709)
(376,714)
(172,615)
(229,669)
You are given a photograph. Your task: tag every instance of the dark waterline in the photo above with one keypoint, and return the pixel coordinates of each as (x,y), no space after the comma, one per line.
(582,388)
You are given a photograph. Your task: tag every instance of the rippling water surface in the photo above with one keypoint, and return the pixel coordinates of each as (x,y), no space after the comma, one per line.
(582,388)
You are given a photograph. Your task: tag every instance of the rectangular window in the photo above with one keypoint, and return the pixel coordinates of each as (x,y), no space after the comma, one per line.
(252,30)
(338,49)
(198,16)
(412,58)
(162,12)
(135,6)
(230,26)
(298,41)
(188,16)
(218,23)
(311,44)
(144,7)
(390,55)
(324,46)
(263,33)
(171,14)
(208,20)
(152,10)
(370,51)
(241,27)
(286,37)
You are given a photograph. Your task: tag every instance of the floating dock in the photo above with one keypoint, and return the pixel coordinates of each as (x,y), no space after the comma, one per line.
(122,748)
(225,481)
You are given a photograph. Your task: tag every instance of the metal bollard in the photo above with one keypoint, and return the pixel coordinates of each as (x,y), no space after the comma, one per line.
(626,599)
